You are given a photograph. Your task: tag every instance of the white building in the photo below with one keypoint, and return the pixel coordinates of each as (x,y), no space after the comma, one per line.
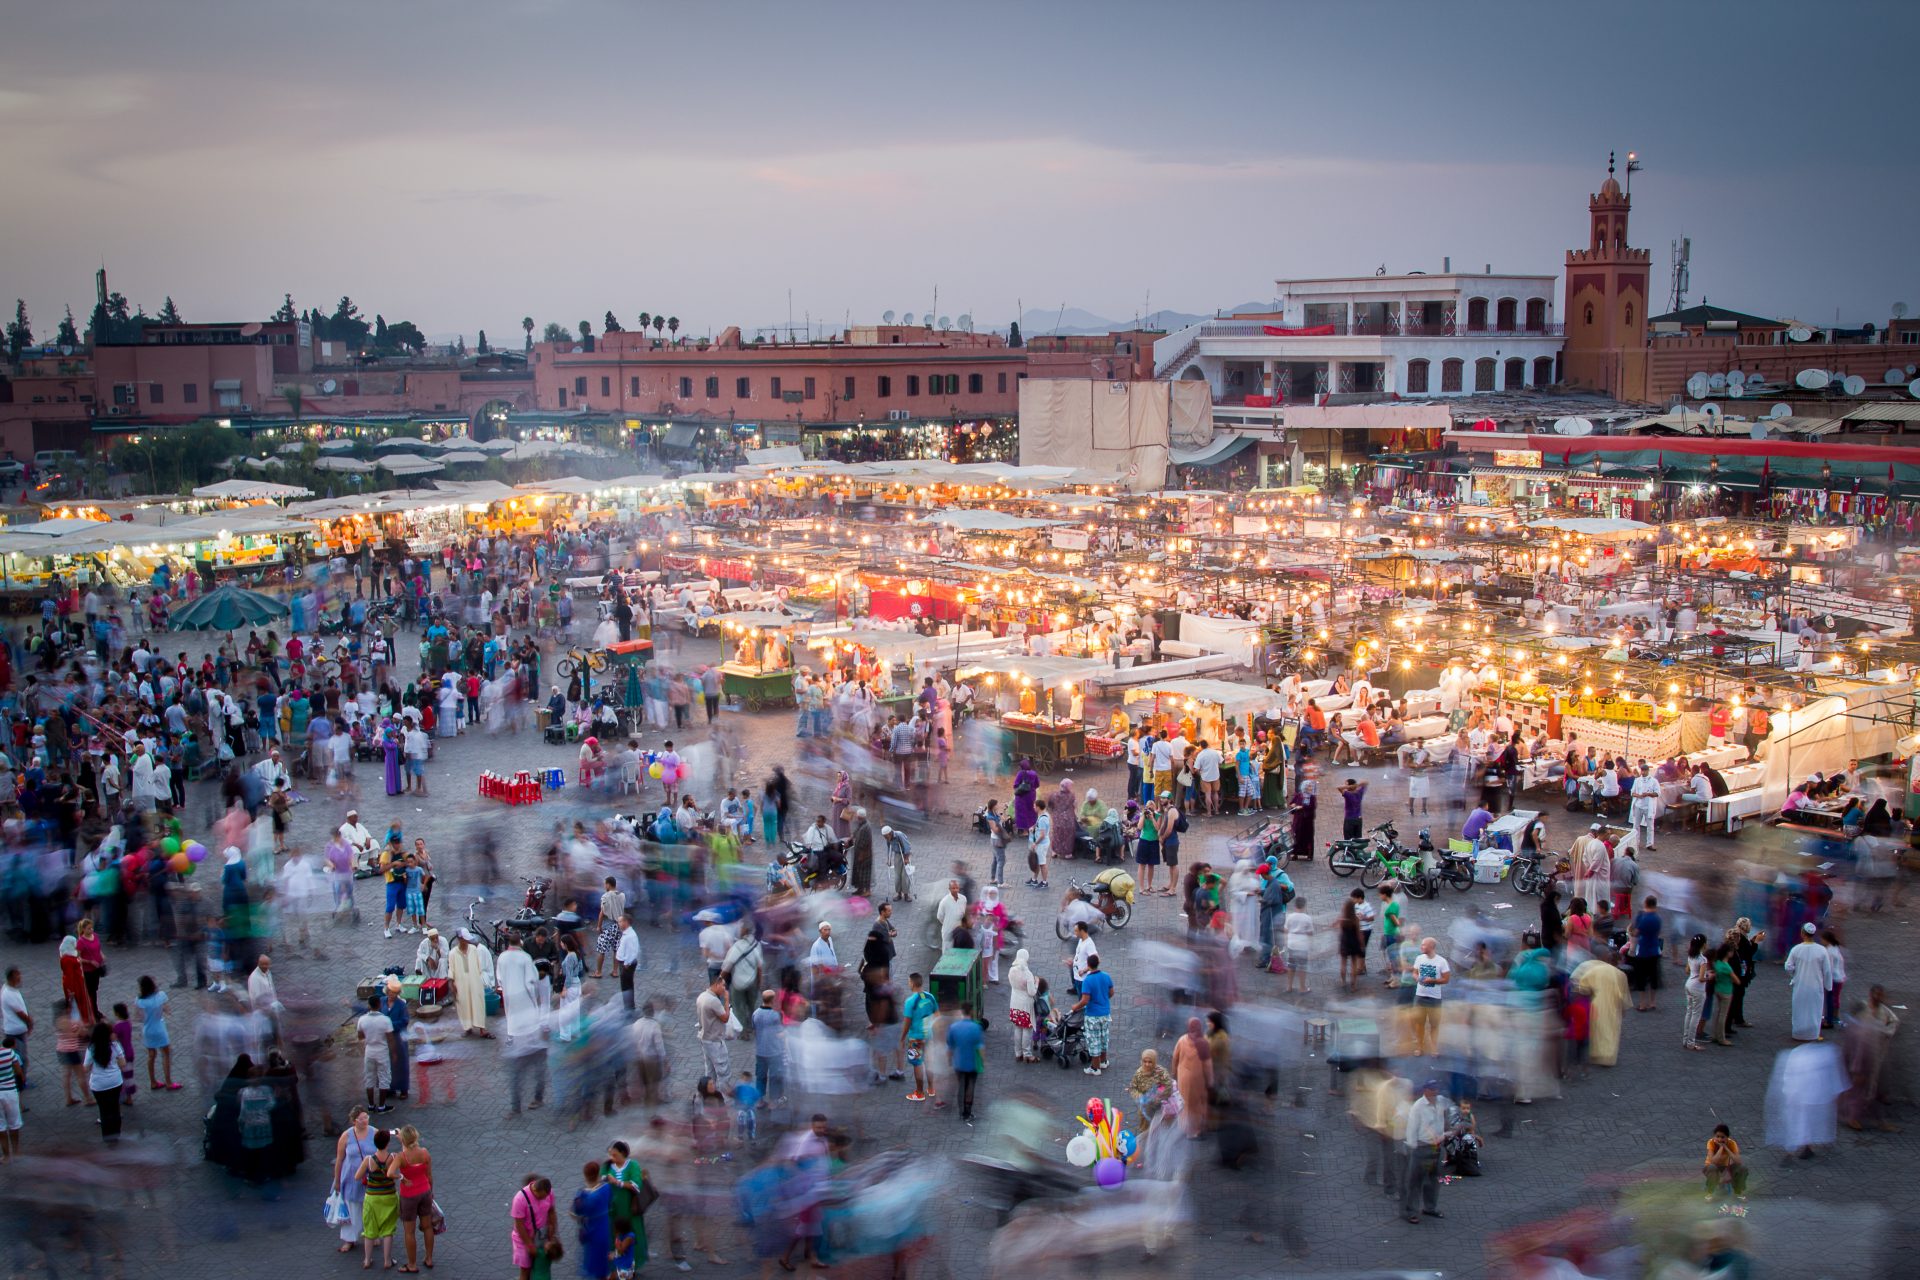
(1410,335)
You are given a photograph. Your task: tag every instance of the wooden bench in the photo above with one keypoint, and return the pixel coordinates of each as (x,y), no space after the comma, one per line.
(1734,808)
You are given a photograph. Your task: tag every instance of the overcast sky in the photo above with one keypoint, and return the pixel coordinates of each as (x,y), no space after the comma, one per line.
(462,163)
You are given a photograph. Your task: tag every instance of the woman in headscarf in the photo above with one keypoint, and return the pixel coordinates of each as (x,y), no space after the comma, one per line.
(1305,808)
(991,928)
(1273,773)
(1026,786)
(1065,811)
(390,748)
(1148,1080)
(73,981)
(1021,986)
(1093,811)
(1193,1070)
(450,707)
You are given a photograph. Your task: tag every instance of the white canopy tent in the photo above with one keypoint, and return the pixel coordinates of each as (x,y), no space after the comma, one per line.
(237,490)
(1049,672)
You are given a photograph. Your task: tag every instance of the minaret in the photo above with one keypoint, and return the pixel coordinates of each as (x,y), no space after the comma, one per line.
(1606,303)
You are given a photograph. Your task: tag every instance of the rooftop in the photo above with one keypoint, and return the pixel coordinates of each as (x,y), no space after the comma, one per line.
(1704,314)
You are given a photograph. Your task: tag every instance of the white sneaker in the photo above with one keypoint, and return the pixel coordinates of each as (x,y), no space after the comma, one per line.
(386,933)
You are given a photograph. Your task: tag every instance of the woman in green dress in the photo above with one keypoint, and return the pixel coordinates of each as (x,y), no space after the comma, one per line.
(380,1211)
(1273,772)
(623,1173)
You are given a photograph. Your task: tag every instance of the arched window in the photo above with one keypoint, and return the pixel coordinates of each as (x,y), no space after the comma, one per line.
(1629,315)
(1483,369)
(1450,371)
(1416,377)
(1536,315)
(1476,315)
(1506,315)
(1516,374)
(1543,372)
(1589,313)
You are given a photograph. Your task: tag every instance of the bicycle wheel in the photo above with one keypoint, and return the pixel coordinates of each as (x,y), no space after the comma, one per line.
(1372,874)
(1122,912)
(566,667)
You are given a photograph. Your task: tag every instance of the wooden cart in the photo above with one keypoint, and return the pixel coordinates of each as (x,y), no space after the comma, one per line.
(955,980)
(757,689)
(1050,747)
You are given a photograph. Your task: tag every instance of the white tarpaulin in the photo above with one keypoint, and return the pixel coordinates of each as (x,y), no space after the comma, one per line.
(1125,428)
(1605,530)
(1824,735)
(1070,539)
(1366,417)
(1219,635)
(249,490)
(1232,699)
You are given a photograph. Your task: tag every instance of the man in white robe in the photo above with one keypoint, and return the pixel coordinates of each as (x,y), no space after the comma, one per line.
(1810,968)
(470,965)
(1592,867)
(524,995)
(1803,1096)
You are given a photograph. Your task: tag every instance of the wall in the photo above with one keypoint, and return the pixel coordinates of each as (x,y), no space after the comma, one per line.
(173,369)
(1671,361)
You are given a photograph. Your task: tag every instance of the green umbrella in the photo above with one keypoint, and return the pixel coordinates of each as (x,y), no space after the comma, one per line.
(227,608)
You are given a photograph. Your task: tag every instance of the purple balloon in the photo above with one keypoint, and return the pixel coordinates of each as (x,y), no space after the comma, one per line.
(1110,1172)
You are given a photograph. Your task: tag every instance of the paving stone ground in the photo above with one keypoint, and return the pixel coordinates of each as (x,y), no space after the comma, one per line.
(1844,1214)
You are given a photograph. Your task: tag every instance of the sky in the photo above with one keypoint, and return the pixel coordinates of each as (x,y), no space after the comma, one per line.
(464,163)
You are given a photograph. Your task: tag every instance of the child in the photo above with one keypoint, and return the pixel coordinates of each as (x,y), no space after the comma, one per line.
(746,1098)
(1724,1165)
(428,1060)
(416,902)
(623,1255)
(279,803)
(123,1032)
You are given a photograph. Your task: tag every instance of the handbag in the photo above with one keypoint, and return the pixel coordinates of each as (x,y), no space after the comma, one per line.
(554,1249)
(335,1213)
(437,1218)
(643,1198)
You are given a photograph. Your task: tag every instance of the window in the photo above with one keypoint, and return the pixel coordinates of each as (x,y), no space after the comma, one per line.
(1506,314)
(1003,383)
(563,397)
(743,388)
(123,393)
(1629,314)
(158,394)
(1536,315)
(1417,377)
(1516,374)
(633,385)
(886,387)
(913,384)
(849,394)
(606,385)
(713,388)
(1476,315)
(580,386)
(1543,372)
(975,384)
(810,388)
(1450,371)
(1589,313)
(686,388)
(776,389)
(1483,369)
(190,392)
(953,384)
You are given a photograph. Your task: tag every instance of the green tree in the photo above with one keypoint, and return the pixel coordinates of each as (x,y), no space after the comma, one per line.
(526,322)
(481,348)
(555,332)
(610,324)
(69,335)
(20,331)
(346,325)
(673,325)
(586,330)
(286,311)
(659,323)
(405,335)
(646,318)
(380,341)
(170,314)
(119,310)
(1013,335)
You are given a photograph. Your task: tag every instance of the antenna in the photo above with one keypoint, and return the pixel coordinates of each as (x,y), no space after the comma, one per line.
(1682,255)
(1059,318)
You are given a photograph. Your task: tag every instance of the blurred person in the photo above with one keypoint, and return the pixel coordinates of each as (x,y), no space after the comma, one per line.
(1425,1136)
(1645,945)
(1801,1098)
(1809,967)
(650,1063)
(1607,993)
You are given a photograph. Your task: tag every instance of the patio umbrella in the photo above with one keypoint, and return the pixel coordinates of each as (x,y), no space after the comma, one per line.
(227,608)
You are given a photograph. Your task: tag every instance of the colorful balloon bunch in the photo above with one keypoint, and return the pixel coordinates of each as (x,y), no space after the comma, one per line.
(1105,1145)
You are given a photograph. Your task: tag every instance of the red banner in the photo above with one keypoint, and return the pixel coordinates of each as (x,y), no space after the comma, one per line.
(1303,331)
(1259,402)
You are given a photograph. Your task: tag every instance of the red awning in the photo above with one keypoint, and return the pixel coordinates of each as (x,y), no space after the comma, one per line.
(1302,331)
(1727,446)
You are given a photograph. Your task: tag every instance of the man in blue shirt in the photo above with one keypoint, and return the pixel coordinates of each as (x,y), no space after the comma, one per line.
(918,1008)
(964,1042)
(1096,1000)
(1643,964)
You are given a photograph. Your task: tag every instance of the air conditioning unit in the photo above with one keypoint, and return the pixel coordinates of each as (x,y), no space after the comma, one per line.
(898,415)
(116,410)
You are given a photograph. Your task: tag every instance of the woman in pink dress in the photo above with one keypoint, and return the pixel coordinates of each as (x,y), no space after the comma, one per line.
(532,1224)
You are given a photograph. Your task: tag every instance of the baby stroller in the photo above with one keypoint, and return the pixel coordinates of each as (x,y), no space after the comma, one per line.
(1065,1040)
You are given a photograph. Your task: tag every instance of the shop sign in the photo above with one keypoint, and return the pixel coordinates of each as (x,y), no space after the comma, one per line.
(1516,457)
(1627,712)
(780,433)
(1070,539)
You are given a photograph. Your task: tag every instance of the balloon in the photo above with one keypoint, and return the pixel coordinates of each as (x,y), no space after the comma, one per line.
(654,771)
(1080,1151)
(180,862)
(1095,1109)
(170,845)
(1110,1172)
(195,852)
(1127,1143)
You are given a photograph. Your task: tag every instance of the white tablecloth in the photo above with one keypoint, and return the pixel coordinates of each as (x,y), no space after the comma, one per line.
(1426,727)
(1316,688)
(1718,757)
(1333,701)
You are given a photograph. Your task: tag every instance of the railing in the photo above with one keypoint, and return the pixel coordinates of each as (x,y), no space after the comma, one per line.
(1387,328)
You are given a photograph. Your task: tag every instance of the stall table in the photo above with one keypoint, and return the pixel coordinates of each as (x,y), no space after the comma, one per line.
(1050,744)
(756,688)
(1509,825)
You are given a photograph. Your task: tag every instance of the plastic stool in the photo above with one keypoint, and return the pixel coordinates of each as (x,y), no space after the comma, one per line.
(1316,1031)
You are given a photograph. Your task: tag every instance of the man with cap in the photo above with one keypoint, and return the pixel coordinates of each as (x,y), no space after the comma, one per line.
(900,855)
(1810,970)
(1592,865)
(1426,1131)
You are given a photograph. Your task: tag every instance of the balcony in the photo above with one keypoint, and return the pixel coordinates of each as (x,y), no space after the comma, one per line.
(1387,328)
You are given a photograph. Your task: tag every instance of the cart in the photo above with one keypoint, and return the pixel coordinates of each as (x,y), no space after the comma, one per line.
(756,689)
(1049,746)
(955,980)
(626,661)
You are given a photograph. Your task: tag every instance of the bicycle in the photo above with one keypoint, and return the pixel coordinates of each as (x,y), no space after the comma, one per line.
(593,660)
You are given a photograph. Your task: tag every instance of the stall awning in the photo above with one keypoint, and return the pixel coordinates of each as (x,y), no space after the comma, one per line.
(1045,672)
(1232,699)
(1539,474)
(1214,451)
(680,435)
(226,384)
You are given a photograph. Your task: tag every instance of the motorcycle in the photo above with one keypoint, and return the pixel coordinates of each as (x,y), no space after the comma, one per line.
(1364,853)
(1115,909)
(824,868)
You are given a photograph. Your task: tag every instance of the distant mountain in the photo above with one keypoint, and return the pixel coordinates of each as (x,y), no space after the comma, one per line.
(1076,321)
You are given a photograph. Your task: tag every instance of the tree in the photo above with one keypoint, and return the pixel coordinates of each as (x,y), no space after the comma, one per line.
(69,335)
(481,347)
(119,310)
(646,318)
(586,330)
(170,314)
(526,322)
(659,323)
(611,325)
(1013,335)
(405,335)
(380,341)
(554,332)
(346,325)
(673,324)
(20,331)
(286,311)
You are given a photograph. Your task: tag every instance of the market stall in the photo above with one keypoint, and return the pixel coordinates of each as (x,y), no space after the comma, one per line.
(1040,702)
(1200,707)
(758,670)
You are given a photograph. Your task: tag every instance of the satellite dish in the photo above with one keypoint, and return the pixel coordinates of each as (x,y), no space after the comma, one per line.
(1711,409)
(1853,384)
(1698,385)
(966,324)
(328,387)
(1899,311)
(886,317)
(1913,388)
(251,329)
(1717,382)
(66,349)
(1736,382)
(1572,427)
(1799,333)
(1780,410)
(908,319)
(1758,430)
(1912,369)
(1895,376)
(946,322)
(1812,379)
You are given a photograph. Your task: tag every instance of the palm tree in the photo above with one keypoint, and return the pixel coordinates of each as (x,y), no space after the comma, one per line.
(526,322)
(659,323)
(673,324)
(646,318)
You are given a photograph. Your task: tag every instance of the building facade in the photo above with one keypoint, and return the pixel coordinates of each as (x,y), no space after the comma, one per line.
(1607,311)
(1453,333)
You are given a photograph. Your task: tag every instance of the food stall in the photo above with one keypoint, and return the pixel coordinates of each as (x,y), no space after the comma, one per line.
(1200,707)
(1040,702)
(758,669)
